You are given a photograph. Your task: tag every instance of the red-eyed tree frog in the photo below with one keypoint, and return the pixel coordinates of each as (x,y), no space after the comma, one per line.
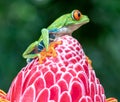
(64,25)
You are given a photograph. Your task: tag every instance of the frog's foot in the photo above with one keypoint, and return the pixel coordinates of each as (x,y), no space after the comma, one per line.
(51,52)
(112,99)
(3,96)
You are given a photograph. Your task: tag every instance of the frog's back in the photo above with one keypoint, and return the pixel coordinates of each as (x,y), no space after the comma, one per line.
(58,23)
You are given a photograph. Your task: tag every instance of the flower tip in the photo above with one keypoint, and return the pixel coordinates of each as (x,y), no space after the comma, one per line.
(3,96)
(112,99)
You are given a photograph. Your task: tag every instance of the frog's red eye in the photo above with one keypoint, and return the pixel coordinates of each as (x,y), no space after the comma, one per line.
(76,14)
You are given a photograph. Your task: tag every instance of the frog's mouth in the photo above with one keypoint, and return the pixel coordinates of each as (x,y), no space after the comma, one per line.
(71,28)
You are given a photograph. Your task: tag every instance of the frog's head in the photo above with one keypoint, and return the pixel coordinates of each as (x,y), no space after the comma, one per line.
(75,20)
(68,23)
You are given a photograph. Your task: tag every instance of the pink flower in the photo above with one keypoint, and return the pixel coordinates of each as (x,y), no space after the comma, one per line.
(68,77)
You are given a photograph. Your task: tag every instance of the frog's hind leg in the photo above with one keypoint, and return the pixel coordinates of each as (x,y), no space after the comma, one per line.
(30,49)
(30,57)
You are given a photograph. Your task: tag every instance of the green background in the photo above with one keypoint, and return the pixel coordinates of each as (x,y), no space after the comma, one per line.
(22,20)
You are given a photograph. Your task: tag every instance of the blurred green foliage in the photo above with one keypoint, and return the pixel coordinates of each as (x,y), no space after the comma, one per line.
(22,20)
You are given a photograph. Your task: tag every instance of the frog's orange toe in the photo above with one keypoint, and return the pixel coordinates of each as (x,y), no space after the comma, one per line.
(51,52)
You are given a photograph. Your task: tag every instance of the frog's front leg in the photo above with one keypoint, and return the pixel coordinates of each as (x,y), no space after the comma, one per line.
(45,37)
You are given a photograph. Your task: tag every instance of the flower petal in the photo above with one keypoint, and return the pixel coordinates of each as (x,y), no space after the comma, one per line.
(43,96)
(49,78)
(82,76)
(39,85)
(76,91)
(65,97)
(28,95)
(54,93)
(63,85)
